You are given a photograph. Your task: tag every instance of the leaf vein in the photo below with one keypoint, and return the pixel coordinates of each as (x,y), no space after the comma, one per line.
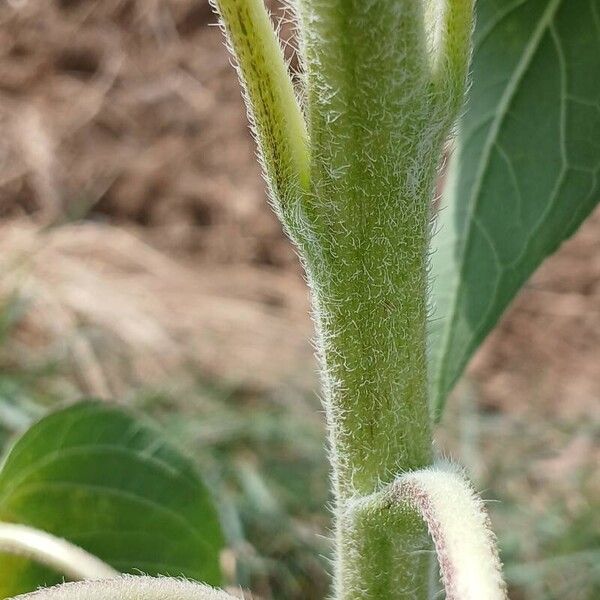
(506,99)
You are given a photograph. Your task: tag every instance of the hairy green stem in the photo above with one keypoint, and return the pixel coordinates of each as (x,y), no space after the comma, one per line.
(273,110)
(376,123)
(455,49)
(378,117)
(384,81)
(457,523)
(129,587)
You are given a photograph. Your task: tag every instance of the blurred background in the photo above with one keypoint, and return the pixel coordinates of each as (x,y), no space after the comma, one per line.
(139,261)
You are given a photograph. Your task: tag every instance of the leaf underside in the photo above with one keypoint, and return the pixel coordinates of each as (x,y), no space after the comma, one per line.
(525,171)
(98,477)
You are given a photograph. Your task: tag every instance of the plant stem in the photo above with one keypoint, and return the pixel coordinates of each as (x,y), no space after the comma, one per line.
(374,163)
(377,118)
(371,332)
(457,523)
(275,116)
(381,97)
(49,550)
(128,587)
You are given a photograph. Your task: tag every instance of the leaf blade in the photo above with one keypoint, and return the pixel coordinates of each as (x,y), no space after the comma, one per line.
(110,483)
(525,172)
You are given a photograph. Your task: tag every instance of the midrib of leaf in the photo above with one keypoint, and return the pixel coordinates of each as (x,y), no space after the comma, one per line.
(502,111)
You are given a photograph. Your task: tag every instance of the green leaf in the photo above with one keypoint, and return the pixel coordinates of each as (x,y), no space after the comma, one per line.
(525,171)
(110,483)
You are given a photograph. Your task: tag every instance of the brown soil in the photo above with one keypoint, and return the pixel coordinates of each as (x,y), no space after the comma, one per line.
(128,112)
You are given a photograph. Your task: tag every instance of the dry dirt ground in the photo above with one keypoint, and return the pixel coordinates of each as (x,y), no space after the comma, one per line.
(133,218)
(127,113)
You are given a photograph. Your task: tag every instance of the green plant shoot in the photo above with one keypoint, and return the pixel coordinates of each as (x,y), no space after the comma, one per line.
(383,85)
